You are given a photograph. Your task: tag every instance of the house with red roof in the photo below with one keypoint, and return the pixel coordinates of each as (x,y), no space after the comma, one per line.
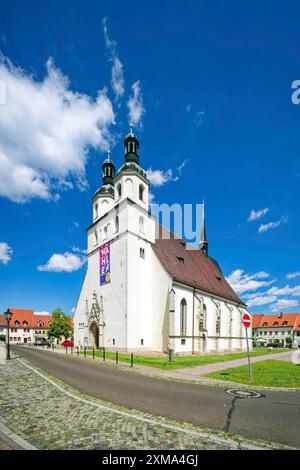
(270,328)
(25,326)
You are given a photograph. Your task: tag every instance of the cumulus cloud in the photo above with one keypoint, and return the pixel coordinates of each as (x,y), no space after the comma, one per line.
(242,282)
(160,177)
(42,313)
(261,300)
(117,74)
(256,215)
(283,304)
(135,105)
(265,227)
(287,290)
(46,131)
(5,253)
(293,275)
(66,262)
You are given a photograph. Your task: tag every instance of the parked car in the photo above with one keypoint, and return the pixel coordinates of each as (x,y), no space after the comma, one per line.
(41,341)
(67,344)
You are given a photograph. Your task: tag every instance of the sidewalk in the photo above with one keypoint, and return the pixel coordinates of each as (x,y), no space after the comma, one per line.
(194,373)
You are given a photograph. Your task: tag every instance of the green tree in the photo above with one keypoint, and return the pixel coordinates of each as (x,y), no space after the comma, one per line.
(289,341)
(60,326)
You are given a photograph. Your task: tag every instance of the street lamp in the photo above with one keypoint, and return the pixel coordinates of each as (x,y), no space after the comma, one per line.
(8,314)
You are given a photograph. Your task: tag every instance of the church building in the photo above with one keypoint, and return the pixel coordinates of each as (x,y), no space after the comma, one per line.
(145,289)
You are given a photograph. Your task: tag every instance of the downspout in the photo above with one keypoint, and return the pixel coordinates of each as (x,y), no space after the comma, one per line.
(193,338)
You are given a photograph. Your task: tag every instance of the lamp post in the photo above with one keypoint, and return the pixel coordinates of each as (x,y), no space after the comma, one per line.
(8,314)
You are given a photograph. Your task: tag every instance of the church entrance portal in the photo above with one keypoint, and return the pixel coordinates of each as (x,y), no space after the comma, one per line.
(94,336)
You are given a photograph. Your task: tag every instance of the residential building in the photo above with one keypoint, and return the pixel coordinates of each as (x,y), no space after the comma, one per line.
(268,328)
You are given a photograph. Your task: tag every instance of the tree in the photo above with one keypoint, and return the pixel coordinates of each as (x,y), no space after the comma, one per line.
(60,326)
(289,341)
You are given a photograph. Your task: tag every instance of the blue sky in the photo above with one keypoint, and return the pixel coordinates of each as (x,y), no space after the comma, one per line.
(211,89)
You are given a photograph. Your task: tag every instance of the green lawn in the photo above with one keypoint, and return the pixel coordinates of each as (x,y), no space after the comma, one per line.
(183,361)
(268,373)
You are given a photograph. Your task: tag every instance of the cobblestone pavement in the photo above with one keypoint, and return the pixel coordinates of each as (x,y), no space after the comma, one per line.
(50,415)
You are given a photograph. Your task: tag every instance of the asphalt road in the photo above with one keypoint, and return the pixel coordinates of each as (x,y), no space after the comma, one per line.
(274,417)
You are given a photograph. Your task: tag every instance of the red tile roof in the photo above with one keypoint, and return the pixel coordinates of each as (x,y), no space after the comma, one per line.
(268,321)
(28,316)
(191,267)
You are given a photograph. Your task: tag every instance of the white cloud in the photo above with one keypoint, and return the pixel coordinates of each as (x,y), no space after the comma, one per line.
(256,215)
(160,177)
(46,130)
(242,282)
(42,313)
(287,290)
(283,304)
(5,253)
(293,275)
(117,75)
(66,262)
(261,300)
(271,225)
(135,105)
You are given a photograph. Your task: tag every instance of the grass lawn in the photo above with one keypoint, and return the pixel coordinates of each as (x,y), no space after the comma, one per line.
(269,373)
(184,361)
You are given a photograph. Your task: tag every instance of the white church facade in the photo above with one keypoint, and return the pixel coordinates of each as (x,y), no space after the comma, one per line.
(147,292)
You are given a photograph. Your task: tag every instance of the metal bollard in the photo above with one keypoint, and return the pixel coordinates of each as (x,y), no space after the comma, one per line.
(117,357)
(66,349)
(93,353)
(77,351)
(52,346)
(171,355)
(85,351)
(71,350)
(131,360)
(103,354)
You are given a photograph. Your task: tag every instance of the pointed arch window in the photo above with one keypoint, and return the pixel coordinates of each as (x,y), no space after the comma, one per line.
(203,314)
(96,211)
(218,319)
(183,317)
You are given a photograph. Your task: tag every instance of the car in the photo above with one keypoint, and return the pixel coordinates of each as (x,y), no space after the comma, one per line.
(67,344)
(41,341)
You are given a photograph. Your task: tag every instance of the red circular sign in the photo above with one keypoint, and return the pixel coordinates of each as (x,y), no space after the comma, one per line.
(246,320)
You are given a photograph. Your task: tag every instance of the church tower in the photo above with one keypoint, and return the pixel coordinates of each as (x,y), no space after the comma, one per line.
(203,245)
(103,199)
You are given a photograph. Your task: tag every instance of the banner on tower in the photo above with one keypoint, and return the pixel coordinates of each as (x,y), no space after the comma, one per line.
(104,264)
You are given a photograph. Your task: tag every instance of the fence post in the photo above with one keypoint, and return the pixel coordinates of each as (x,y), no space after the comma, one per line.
(117,357)
(77,351)
(84,351)
(131,360)
(103,354)
(93,353)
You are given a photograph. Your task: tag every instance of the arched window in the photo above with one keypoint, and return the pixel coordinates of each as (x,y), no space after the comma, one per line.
(202,322)
(141,224)
(117,223)
(105,232)
(141,192)
(128,187)
(119,190)
(96,211)
(41,324)
(183,318)
(218,320)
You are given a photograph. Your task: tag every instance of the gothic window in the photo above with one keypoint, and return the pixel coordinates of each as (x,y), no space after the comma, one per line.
(183,318)
(218,320)
(202,321)
(95,238)
(142,253)
(141,192)
(141,224)
(128,186)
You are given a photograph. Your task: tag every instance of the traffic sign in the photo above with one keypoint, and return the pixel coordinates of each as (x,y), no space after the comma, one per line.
(246,320)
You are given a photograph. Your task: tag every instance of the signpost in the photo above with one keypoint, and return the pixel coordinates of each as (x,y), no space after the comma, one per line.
(246,319)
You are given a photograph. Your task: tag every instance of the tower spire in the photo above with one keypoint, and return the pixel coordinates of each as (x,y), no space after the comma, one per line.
(131,145)
(203,245)
(108,170)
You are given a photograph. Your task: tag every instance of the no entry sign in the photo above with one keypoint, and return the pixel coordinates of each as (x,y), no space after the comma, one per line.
(246,320)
